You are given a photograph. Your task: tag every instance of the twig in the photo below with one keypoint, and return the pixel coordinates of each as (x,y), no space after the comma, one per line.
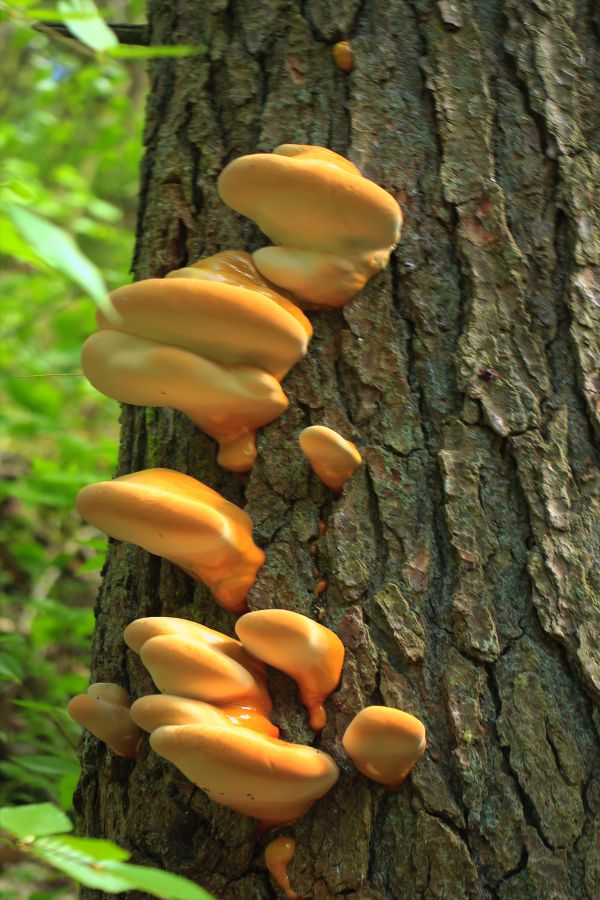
(125,34)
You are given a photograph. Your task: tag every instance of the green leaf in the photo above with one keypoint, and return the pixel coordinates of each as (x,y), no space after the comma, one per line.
(92,874)
(86,23)
(99,864)
(26,822)
(87,850)
(160,884)
(46,765)
(133,51)
(11,669)
(58,249)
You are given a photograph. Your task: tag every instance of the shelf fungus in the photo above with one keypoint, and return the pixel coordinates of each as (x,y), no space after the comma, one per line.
(212,340)
(384,744)
(333,229)
(269,779)
(308,652)
(331,456)
(181,519)
(205,676)
(104,711)
(155,710)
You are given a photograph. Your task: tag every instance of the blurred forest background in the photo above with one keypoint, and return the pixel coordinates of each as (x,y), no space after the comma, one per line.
(70,144)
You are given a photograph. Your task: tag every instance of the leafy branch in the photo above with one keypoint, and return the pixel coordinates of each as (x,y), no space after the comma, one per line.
(43,831)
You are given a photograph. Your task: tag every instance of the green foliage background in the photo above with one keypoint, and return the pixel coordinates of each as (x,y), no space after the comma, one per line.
(70,144)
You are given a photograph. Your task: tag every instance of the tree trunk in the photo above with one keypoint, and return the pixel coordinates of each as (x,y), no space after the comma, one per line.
(461,559)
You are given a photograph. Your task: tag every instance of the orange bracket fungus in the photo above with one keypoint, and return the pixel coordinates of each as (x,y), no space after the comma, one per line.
(278,855)
(183,520)
(155,710)
(384,743)
(333,229)
(259,776)
(308,652)
(212,340)
(331,456)
(104,710)
(205,676)
(227,402)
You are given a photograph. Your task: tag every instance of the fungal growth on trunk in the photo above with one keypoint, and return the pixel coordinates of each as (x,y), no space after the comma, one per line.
(104,711)
(155,710)
(332,457)
(271,780)
(333,230)
(308,652)
(384,744)
(212,340)
(181,519)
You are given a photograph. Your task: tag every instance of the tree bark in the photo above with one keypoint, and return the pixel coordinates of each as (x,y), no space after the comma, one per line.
(462,559)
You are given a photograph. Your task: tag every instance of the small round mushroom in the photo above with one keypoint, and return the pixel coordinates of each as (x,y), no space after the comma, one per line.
(308,652)
(342,229)
(227,402)
(343,56)
(331,456)
(384,743)
(259,776)
(182,520)
(155,710)
(278,855)
(107,719)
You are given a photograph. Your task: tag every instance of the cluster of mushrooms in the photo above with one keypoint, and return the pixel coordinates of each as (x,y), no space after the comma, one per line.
(215,340)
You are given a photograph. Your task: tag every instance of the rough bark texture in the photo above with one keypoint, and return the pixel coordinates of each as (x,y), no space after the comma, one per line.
(462,558)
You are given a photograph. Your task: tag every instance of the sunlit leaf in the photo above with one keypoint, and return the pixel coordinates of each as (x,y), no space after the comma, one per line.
(87,850)
(160,884)
(34,820)
(91,30)
(96,864)
(57,248)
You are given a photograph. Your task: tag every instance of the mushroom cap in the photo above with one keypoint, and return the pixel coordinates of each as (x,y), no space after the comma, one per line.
(185,667)
(181,519)
(223,322)
(304,200)
(254,774)
(138,632)
(227,402)
(323,154)
(332,457)
(110,693)
(237,267)
(109,722)
(155,710)
(343,56)
(308,652)
(384,743)
(319,280)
